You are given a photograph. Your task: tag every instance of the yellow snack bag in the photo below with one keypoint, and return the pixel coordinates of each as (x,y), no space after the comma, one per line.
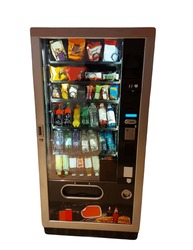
(64,90)
(76,49)
(58,73)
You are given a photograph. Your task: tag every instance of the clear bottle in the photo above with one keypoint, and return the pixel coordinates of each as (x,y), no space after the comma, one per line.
(72,166)
(67,139)
(110,142)
(111,117)
(65,164)
(96,165)
(58,140)
(76,139)
(93,140)
(102,115)
(88,166)
(84,142)
(93,115)
(58,164)
(102,141)
(80,166)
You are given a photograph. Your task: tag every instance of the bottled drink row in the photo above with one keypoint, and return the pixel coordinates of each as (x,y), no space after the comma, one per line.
(91,115)
(86,142)
(77,166)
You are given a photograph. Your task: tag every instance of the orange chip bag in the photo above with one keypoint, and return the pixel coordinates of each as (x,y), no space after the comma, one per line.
(76,49)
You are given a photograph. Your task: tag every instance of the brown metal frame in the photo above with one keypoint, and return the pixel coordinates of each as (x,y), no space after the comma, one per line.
(149,35)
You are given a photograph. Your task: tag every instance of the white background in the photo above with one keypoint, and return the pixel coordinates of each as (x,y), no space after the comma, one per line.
(167,212)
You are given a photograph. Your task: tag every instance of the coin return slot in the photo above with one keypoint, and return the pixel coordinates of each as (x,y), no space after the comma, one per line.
(88,192)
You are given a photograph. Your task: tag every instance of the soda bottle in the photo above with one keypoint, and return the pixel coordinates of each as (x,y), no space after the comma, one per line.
(93,140)
(72,166)
(80,166)
(93,115)
(110,142)
(58,164)
(76,139)
(67,116)
(76,116)
(102,141)
(58,140)
(65,164)
(88,166)
(115,215)
(67,139)
(111,117)
(84,116)
(96,165)
(102,115)
(58,116)
(84,142)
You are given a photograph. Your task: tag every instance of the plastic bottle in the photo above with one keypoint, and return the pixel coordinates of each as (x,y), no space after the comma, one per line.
(58,140)
(93,140)
(67,116)
(111,117)
(102,115)
(65,164)
(96,165)
(58,164)
(58,116)
(102,141)
(88,166)
(76,139)
(115,215)
(84,142)
(76,116)
(67,139)
(110,142)
(93,115)
(84,116)
(80,166)
(72,166)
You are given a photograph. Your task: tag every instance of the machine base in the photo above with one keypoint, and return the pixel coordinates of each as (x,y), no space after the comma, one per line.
(92,233)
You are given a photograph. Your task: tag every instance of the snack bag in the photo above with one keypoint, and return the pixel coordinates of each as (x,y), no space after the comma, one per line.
(73,90)
(76,49)
(94,51)
(56,91)
(58,50)
(110,51)
(57,73)
(105,92)
(64,90)
(114,91)
(75,73)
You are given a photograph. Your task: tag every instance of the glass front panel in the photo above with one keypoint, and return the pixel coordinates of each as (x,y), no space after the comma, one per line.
(82,82)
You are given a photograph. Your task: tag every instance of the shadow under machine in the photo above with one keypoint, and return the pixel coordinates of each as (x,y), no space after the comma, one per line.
(92,88)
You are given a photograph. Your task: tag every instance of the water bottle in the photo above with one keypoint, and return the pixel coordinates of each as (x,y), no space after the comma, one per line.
(111,117)
(67,139)
(102,115)
(93,140)
(110,142)
(93,115)
(84,142)
(102,141)
(58,140)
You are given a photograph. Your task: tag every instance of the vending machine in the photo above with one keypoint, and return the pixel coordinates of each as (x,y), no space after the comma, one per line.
(92,89)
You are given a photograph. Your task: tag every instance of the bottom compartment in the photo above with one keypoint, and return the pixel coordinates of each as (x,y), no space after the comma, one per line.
(92,233)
